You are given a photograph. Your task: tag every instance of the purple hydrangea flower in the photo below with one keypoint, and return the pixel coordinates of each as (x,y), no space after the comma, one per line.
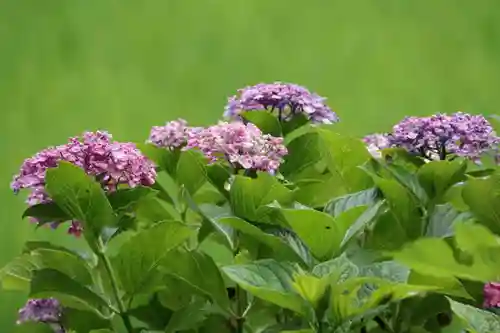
(285,99)
(43,310)
(376,142)
(113,163)
(441,135)
(172,135)
(244,146)
(491,295)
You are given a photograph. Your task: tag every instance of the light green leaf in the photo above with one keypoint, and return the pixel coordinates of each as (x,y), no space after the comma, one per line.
(409,180)
(363,222)
(449,285)
(165,159)
(191,170)
(250,196)
(438,176)
(16,275)
(52,283)
(126,199)
(188,317)
(137,262)
(343,156)
(476,319)
(269,280)
(200,272)
(268,123)
(81,197)
(483,198)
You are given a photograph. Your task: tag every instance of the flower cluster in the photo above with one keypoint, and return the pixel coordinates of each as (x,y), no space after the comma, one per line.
(376,142)
(242,145)
(112,163)
(457,134)
(43,310)
(491,295)
(284,98)
(172,135)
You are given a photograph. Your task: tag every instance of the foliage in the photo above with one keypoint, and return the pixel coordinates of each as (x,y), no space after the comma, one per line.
(321,233)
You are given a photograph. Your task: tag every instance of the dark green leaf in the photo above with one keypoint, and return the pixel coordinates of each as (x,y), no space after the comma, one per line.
(218,175)
(483,198)
(82,198)
(165,159)
(267,122)
(387,234)
(303,152)
(137,262)
(153,314)
(152,210)
(364,221)
(338,270)
(84,321)
(187,318)
(191,170)
(49,282)
(128,198)
(199,271)
(176,294)
(409,180)
(163,193)
(297,121)
(438,176)
(46,213)
(250,196)
(402,156)
(268,280)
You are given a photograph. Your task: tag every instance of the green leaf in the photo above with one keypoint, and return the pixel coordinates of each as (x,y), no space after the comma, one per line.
(322,233)
(362,222)
(153,314)
(434,257)
(438,176)
(137,262)
(152,210)
(483,198)
(191,170)
(218,175)
(402,206)
(46,213)
(200,272)
(188,317)
(409,180)
(303,151)
(279,247)
(478,320)
(338,270)
(443,220)
(317,193)
(267,122)
(176,294)
(343,157)
(250,196)
(387,234)
(297,121)
(362,198)
(16,275)
(84,321)
(82,198)
(49,282)
(388,270)
(449,285)
(165,159)
(128,198)
(402,156)
(269,280)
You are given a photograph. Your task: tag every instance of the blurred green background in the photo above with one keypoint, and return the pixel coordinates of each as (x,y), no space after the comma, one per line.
(70,66)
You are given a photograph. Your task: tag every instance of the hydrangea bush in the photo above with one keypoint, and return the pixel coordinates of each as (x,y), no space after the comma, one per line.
(268,221)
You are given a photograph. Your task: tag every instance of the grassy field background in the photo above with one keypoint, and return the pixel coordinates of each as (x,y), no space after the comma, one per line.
(70,66)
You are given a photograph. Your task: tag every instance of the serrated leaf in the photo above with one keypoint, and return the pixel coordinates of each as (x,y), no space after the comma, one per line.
(191,170)
(265,121)
(139,258)
(200,272)
(269,280)
(49,282)
(81,197)
(476,319)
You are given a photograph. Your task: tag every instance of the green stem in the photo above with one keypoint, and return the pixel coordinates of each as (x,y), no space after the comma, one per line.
(114,285)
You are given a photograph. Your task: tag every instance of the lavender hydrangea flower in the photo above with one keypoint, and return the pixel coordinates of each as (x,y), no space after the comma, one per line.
(376,142)
(458,134)
(285,99)
(244,146)
(113,163)
(43,310)
(172,135)
(491,295)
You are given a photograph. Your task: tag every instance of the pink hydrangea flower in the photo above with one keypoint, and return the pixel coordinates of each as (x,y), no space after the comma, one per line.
(112,163)
(491,295)
(172,135)
(244,146)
